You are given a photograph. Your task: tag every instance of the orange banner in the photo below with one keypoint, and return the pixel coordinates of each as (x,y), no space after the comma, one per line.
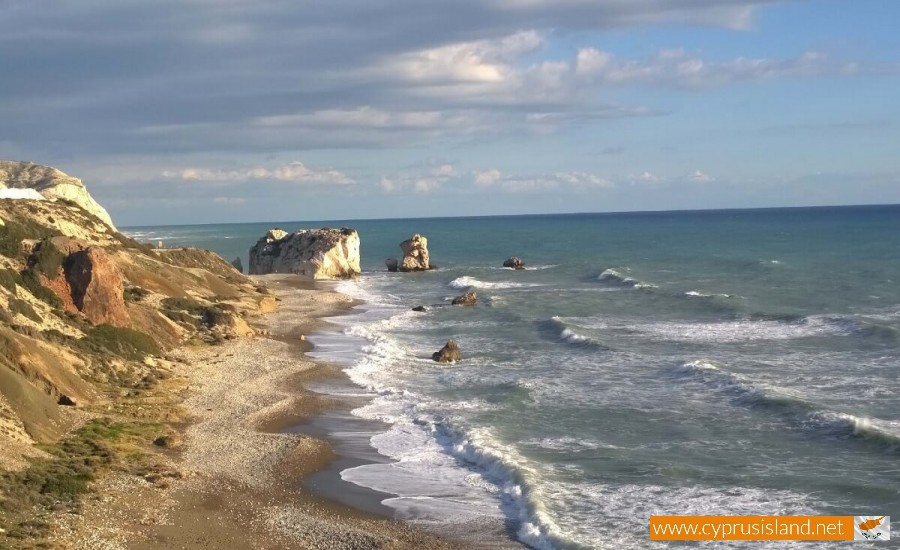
(751,527)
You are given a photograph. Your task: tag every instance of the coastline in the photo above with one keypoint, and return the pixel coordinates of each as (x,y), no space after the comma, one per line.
(238,479)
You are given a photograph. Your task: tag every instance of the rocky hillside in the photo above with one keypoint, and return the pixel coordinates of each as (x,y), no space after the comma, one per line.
(51,184)
(87,320)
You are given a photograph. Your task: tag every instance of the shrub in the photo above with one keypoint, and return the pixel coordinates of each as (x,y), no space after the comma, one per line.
(124,342)
(47,259)
(31,282)
(9,278)
(13,232)
(135,294)
(24,308)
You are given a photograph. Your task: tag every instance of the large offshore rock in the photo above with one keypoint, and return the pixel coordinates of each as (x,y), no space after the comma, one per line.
(51,184)
(415,254)
(312,253)
(514,262)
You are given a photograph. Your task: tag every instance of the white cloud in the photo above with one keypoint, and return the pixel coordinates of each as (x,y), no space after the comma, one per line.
(493,179)
(293,172)
(701,177)
(486,178)
(233,201)
(422,180)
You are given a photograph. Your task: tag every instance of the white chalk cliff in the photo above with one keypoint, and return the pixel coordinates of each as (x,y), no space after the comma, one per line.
(51,184)
(311,253)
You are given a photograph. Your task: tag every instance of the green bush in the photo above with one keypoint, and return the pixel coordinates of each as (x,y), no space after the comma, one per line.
(31,282)
(24,308)
(135,294)
(13,232)
(189,305)
(9,278)
(124,342)
(47,259)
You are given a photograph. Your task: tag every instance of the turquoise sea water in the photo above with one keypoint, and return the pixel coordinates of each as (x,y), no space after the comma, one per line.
(717,362)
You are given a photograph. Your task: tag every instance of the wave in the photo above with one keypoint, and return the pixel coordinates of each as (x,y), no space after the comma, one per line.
(509,471)
(560,330)
(615,277)
(698,294)
(465,282)
(798,412)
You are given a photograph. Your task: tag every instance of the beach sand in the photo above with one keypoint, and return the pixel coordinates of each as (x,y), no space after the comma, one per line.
(237,480)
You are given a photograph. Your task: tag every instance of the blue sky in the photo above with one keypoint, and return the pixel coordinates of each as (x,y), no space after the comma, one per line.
(198,111)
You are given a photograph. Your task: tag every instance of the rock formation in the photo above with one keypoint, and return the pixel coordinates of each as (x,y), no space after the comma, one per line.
(238,264)
(96,285)
(514,262)
(419,309)
(415,254)
(392,264)
(52,184)
(448,354)
(312,253)
(467,299)
(70,334)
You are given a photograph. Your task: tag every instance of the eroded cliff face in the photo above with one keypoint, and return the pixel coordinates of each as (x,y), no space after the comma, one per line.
(52,184)
(316,254)
(88,315)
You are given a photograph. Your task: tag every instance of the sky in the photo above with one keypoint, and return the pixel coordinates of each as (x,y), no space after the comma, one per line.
(214,111)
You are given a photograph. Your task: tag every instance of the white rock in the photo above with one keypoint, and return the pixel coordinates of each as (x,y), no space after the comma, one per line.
(50,183)
(21,195)
(312,253)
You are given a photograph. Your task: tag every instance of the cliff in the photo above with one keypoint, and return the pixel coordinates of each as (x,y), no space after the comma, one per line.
(51,184)
(312,253)
(87,318)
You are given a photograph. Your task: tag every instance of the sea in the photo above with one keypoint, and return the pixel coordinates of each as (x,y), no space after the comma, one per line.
(730,362)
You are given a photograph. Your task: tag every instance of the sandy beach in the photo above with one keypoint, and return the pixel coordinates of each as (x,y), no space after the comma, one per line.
(235,482)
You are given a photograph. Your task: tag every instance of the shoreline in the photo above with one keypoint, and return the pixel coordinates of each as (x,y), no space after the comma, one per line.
(238,480)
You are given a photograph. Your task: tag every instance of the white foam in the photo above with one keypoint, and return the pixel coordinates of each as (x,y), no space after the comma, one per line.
(467,282)
(698,294)
(626,509)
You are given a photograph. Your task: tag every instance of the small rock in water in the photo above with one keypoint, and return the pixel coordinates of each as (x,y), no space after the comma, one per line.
(419,308)
(237,264)
(467,299)
(392,264)
(448,354)
(514,262)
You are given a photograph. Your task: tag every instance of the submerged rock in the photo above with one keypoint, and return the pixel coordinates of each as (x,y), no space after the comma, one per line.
(467,299)
(514,262)
(312,253)
(448,354)
(419,308)
(415,254)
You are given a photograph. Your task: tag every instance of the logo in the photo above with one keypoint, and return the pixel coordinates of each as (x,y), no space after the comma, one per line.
(871,527)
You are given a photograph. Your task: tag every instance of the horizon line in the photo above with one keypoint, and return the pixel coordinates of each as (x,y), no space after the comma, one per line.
(608,212)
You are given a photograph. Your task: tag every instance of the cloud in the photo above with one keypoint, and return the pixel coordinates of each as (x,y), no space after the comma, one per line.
(212,77)
(493,179)
(424,179)
(700,177)
(676,68)
(293,172)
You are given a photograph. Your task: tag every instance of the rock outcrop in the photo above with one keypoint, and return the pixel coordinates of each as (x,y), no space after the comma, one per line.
(467,299)
(312,253)
(448,354)
(415,254)
(392,264)
(97,287)
(51,184)
(238,264)
(514,262)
